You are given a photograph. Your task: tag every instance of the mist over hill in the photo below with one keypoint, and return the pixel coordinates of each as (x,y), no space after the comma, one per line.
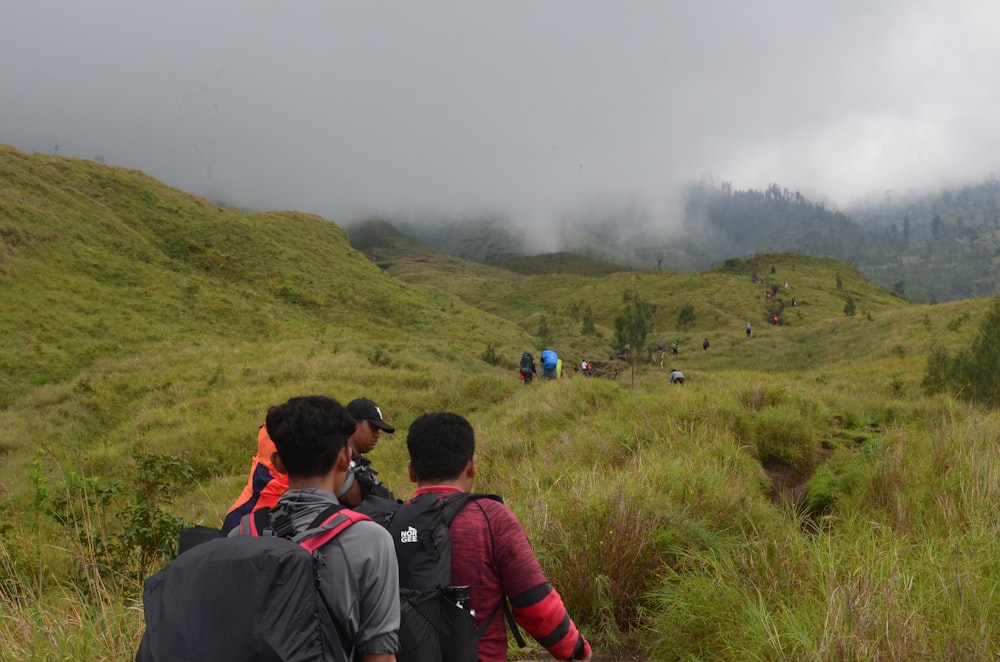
(940,246)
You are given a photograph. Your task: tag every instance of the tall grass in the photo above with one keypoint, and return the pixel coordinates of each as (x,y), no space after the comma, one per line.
(149,331)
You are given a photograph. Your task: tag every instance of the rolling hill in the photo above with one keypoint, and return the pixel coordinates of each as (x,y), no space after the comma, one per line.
(767,509)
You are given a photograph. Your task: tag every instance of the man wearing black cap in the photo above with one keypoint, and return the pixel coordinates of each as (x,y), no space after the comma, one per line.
(371,424)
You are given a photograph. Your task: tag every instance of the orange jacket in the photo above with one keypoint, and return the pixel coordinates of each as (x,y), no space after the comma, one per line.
(264,486)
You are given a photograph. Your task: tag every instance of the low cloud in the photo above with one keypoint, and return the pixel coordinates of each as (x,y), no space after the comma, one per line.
(544,113)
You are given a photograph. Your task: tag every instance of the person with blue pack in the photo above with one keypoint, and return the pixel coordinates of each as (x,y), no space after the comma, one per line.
(550,364)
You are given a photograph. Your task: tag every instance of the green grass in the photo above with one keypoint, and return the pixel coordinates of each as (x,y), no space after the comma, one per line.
(147,331)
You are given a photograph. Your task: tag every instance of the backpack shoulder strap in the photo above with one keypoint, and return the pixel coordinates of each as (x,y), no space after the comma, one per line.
(267,522)
(254,523)
(328,527)
(504,603)
(454,503)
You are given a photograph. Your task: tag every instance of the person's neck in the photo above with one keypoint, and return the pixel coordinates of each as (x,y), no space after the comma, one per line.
(461,483)
(316,482)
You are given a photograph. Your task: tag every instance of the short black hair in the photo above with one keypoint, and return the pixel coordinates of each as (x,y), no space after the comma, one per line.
(308,433)
(440,446)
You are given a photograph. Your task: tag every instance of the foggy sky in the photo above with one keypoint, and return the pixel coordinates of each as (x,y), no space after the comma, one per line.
(532,109)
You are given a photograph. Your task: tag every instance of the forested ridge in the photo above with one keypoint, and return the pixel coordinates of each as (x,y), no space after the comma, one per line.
(941,246)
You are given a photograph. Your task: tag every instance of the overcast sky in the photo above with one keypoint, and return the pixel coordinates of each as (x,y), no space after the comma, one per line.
(530,108)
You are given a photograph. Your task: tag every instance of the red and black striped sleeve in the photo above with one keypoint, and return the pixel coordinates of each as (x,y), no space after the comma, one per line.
(541,612)
(537,607)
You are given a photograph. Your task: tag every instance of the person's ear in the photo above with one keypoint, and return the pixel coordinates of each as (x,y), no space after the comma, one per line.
(470,468)
(344,458)
(278,465)
(413,474)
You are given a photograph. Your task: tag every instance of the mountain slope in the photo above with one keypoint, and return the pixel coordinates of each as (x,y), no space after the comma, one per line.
(94,258)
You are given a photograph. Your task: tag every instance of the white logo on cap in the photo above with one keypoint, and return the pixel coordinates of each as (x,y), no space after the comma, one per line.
(381,417)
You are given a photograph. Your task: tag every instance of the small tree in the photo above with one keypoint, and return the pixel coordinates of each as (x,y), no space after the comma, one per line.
(490,355)
(840,282)
(975,371)
(632,327)
(937,370)
(686,318)
(849,308)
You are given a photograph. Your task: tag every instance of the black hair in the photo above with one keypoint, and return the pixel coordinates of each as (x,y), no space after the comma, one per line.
(308,433)
(440,445)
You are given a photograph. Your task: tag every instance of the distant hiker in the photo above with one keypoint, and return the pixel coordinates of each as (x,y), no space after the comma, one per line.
(550,362)
(229,598)
(491,553)
(527,369)
(676,377)
(266,485)
(749,330)
(673,347)
(793,302)
(704,344)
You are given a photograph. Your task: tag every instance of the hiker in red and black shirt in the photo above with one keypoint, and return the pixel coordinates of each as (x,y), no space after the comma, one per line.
(490,552)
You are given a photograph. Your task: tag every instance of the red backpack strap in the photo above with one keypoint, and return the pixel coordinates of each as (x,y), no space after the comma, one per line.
(253,524)
(337,522)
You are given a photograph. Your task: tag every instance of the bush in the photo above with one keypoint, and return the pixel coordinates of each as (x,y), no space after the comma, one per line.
(490,355)
(782,433)
(973,373)
(686,318)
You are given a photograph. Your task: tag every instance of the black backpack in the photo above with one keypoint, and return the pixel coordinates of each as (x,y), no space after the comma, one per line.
(201,606)
(368,480)
(527,362)
(436,621)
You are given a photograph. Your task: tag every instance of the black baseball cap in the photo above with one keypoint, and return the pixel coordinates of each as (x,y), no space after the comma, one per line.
(367,409)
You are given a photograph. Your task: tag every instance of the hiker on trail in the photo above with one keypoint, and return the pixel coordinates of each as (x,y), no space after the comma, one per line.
(362,480)
(704,345)
(673,347)
(749,330)
(490,551)
(266,485)
(527,370)
(229,598)
(676,377)
(360,581)
(550,362)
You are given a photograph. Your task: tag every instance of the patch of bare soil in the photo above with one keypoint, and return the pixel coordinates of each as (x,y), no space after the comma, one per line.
(788,484)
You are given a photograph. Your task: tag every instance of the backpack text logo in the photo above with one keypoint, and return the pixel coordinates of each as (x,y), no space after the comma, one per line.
(409,535)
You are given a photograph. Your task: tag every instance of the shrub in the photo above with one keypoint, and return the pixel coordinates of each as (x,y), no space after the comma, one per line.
(686,317)
(490,355)
(936,372)
(782,433)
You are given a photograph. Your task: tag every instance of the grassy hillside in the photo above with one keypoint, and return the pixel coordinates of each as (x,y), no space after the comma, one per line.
(800,497)
(115,286)
(549,263)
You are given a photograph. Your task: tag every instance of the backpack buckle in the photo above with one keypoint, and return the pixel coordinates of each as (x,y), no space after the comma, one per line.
(281,523)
